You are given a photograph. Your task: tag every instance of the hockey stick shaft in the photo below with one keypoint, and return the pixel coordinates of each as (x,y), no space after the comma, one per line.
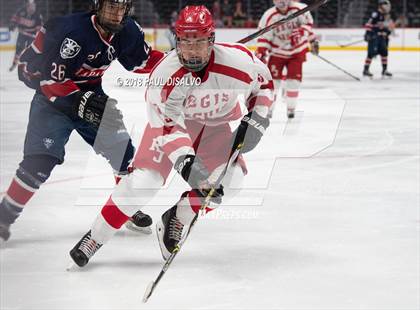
(351,43)
(152,286)
(260,32)
(339,68)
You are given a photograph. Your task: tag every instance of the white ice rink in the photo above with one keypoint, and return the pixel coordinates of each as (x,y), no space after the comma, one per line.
(332,224)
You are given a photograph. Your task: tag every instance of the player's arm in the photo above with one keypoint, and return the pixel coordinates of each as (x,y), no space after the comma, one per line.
(14,21)
(167,114)
(369,26)
(264,42)
(254,124)
(62,55)
(138,56)
(307,23)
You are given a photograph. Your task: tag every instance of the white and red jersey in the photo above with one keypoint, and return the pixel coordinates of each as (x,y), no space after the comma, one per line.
(278,41)
(233,79)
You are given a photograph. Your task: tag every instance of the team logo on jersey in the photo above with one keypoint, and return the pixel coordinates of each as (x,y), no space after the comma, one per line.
(48,142)
(69,48)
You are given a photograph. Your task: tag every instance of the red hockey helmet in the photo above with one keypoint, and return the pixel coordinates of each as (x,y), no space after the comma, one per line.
(195,34)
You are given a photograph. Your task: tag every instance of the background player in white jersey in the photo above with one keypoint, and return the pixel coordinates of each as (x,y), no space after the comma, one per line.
(189,130)
(286,47)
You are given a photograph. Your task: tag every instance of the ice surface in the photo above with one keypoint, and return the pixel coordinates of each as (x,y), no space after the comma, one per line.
(333,223)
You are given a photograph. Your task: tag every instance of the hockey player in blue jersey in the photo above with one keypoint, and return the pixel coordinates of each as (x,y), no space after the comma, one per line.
(28,21)
(377,36)
(64,65)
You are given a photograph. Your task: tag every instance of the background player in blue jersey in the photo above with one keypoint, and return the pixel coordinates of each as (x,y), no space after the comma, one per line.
(377,35)
(65,65)
(28,21)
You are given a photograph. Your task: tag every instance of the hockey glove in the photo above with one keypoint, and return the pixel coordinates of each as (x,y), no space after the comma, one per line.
(193,171)
(261,54)
(368,36)
(250,131)
(98,110)
(315,47)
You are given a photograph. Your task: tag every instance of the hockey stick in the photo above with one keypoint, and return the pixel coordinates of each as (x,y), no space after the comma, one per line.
(341,69)
(152,285)
(350,44)
(310,7)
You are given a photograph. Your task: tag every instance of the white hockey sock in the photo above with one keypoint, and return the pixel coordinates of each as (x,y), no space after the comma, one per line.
(292,93)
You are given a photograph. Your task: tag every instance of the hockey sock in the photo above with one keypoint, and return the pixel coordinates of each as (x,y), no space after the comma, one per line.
(31,174)
(368,61)
(384,63)
(292,93)
(113,215)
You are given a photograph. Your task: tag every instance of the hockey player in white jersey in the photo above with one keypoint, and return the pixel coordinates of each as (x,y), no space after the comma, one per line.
(189,130)
(286,46)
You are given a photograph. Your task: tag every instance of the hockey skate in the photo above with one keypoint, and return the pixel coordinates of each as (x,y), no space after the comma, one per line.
(84,250)
(367,73)
(4,233)
(386,74)
(140,222)
(169,232)
(290,113)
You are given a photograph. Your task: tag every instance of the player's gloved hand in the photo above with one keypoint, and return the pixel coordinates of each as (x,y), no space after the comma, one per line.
(296,36)
(368,36)
(315,47)
(193,171)
(98,110)
(261,54)
(250,131)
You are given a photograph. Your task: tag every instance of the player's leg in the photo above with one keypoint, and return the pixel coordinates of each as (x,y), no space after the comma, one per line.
(293,81)
(116,146)
(20,46)
(134,191)
(276,66)
(383,51)
(213,149)
(174,221)
(372,51)
(47,133)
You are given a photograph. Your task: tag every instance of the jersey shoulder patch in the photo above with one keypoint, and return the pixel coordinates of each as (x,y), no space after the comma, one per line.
(374,14)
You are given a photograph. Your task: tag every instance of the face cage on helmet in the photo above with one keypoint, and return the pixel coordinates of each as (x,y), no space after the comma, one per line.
(195,65)
(111,28)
